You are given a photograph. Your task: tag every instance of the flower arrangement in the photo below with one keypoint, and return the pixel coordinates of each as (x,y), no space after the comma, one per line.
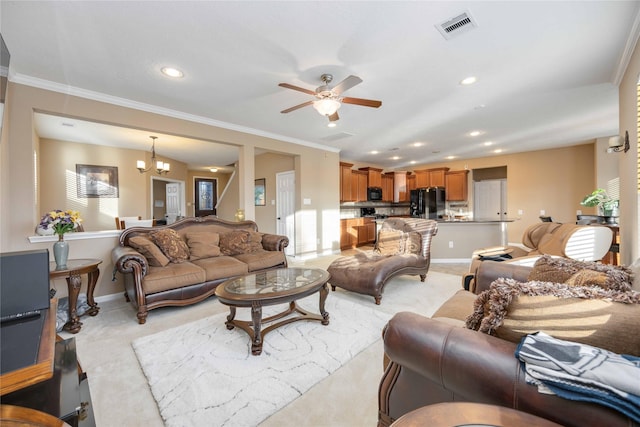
(600,198)
(59,222)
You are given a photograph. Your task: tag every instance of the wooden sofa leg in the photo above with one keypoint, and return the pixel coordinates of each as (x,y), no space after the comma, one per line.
(378,298)
(142,316)
(333,288)
(423,277)
(126,297)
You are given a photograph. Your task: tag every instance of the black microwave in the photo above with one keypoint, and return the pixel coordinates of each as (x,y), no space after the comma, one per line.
(374,194)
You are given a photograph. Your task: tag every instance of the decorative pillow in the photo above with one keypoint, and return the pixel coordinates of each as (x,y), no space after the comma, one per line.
(413,243)
(203,245)
(586,314)
(390,242)
(588,278)
(560,270)
(149,250)
(240,242)
(171,244)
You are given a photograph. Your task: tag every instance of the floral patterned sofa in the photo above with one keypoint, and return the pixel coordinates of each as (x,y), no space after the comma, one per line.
(182,263)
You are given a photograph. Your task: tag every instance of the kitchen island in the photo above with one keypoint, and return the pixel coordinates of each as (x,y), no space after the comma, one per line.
(456,240)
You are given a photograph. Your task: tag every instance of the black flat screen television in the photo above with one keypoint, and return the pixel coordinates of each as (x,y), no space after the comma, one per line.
(24,282)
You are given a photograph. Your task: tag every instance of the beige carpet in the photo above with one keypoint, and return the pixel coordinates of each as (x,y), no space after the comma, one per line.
(348,397)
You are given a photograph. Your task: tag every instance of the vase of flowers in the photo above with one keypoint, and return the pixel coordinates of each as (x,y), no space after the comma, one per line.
(60,222)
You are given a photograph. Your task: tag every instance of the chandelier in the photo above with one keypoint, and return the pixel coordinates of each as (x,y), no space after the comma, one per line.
(160,166)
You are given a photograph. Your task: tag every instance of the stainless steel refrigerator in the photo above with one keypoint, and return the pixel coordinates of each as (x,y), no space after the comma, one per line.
(428,203)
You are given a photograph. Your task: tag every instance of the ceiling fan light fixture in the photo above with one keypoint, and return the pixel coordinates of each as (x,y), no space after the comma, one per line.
(326,106)
(172,72)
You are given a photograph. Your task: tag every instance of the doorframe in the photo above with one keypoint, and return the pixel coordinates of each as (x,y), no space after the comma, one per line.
(183,209)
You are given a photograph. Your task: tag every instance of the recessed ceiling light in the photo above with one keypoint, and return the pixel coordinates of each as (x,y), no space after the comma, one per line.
(172,72)
(418,144)
(499,150)
(214,170)
(475,133)
(332,124)
(450,157)
(375,152)
(488,143)
(413,162)
(468,81)
(395,158)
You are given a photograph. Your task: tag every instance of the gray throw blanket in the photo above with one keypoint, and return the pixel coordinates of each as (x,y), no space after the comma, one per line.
(581,372)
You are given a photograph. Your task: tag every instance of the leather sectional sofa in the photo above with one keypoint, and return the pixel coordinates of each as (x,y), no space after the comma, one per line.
(202,253)
(431,361)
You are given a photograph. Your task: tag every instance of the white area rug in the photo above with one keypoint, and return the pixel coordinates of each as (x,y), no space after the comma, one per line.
(203,374)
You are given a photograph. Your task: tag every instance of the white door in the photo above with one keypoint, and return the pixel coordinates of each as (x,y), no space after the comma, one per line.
(172,201)
(490,199)
(286,208)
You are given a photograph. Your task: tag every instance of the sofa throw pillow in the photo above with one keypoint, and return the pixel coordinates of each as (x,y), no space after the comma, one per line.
(586,314)
(171,244)
(203,245)
(240,242)
(413,243)
(390,242)
(561,270)
(149,250)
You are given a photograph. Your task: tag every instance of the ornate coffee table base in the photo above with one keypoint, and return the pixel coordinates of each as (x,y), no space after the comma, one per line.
(254,327)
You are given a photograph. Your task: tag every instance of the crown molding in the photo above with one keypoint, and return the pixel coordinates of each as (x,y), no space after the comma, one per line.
(629,47)
(123,102)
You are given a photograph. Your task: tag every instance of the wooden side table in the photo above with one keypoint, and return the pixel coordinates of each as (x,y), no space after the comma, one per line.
(73,274)
(466,413)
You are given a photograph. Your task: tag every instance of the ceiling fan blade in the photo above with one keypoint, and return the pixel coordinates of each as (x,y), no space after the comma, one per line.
(304,104)
(363,102)
(334,117)
(298,88)
(346,84)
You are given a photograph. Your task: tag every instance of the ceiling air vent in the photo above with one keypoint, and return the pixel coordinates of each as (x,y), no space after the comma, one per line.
(337,136)
(458,25)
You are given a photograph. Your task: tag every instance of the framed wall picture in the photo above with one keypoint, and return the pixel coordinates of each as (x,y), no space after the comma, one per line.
(260,194)
(97,181)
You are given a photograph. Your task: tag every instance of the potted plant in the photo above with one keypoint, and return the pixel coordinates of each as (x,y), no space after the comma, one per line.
(607,207)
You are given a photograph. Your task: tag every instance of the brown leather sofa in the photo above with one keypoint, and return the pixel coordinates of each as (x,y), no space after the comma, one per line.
(396,253)
(150,286)
(431,361)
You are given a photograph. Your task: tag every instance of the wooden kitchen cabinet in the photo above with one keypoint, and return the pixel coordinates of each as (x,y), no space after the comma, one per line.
(357,232)
(374,176)
(437,177)
(411,185)
(345,182)
(387,187)
(456,183)
(359,186)
(430,177)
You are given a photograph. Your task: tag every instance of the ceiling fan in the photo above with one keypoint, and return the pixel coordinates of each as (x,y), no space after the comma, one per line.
(329,99)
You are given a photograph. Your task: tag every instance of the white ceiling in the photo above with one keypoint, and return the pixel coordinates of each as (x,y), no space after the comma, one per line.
(547,71)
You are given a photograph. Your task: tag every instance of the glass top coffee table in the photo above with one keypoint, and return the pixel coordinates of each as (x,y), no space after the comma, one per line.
(283,285)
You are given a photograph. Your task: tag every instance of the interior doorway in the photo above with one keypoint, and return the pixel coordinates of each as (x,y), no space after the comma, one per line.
(167,199)
(286,208)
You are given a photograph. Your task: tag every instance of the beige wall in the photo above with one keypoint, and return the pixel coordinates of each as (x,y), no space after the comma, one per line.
(628,163)
(19,213)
